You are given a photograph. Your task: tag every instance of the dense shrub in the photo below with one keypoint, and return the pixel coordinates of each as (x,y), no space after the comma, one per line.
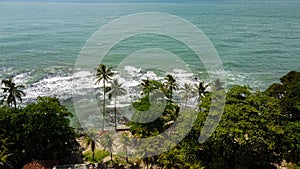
(39,131)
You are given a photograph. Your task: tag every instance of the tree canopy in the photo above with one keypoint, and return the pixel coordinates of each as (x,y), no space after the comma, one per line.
(38,131)
(258,129)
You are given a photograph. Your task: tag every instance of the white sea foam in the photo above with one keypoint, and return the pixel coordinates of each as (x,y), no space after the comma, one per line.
(82,82)
(21,78)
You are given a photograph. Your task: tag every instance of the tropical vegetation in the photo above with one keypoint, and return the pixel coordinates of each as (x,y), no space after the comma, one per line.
(39,131)
(103,74)
(12,92)
(258,129)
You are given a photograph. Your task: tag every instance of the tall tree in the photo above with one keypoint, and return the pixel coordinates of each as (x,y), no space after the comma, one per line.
(107,143)
(217,84)
(103,74)
(91,139)
(146,86)
(200,89)
(37,128)
(171,85)
(288,92)
(116,91)
(14,91)
(187,91)
(247,135)
(126,143)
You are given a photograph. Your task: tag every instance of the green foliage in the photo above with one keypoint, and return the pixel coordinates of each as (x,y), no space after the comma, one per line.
(172,159)
(144,111)
(39,131)
(48,120)
(187,92)
(12,92)
(293,166)
(149,85)
(257,129)
(91,139)
(246,136)
(125,144)
(107,143)
(164,114)
(6,156)
(291,144)
(200,89)
(170,86)
(143,104)
(99,155)
(103,74)
(288,92)
(217,84)
(116,91)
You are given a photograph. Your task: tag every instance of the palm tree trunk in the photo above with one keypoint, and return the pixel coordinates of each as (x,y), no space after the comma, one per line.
(111,155)
(200,96)
(104,92)
(93,155)
(115,113)
(126,155)
(171,94)
(147,162)
(15,103)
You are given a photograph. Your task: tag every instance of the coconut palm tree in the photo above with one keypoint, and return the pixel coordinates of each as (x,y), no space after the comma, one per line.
(146,85)
(125,142)
(14,91)
(217,85)
(6,156)
(172,113)
(103,74)
(171,85)
(187,91)
(107,142)
(2,100)
(116,91)
(149,85)
(91,139)
(200,89)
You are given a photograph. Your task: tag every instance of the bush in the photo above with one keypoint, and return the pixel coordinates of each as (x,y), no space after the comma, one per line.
(99,155)
(39,131)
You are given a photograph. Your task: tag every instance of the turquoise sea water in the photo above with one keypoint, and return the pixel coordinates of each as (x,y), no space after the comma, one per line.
(257,41)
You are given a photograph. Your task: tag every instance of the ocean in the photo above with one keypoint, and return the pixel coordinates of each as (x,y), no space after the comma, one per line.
(257,41)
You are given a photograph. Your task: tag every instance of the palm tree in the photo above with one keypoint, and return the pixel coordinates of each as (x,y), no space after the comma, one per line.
(200,88)
(91,139)
(172,159)
(125,141)
(146,86)
(6,156)
(217,85)
(149,85)
(107,142)
(103,74)
(13,91)
(171,85)
(171,115)
(116,91)
(2,100)
(187,91)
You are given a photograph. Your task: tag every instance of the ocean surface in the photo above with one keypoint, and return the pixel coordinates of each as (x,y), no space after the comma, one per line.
(257,41)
